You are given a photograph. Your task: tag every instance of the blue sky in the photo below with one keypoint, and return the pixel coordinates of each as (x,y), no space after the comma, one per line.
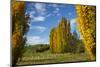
(44,17)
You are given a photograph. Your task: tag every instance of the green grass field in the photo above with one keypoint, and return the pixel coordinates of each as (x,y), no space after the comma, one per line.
(47,57)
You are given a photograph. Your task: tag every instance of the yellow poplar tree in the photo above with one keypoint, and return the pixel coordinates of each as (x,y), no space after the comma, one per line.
(60,37)
(87,27)
(19,29)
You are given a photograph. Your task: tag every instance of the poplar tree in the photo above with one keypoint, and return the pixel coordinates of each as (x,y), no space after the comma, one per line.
(60,37)
(19,29)
(87,26)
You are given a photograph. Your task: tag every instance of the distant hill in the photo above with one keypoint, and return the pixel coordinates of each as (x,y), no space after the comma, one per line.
(37,47)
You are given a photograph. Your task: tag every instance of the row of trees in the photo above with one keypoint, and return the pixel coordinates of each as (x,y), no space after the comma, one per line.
(62,40)
(19,29)
(59,38)
(87,26)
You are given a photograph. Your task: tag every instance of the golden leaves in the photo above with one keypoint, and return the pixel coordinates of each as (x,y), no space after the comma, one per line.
(87,26)
(16,40)
(59,37)
(20,27)
(18,7)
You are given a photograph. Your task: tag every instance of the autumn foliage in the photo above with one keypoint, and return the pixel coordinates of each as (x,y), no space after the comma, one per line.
(87,27)
(19,29)
(60,37)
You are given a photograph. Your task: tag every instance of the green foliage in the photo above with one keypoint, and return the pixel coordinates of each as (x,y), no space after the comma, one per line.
(42,48)
(37,48)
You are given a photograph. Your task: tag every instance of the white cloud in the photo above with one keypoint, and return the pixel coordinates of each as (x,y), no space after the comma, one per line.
(37,12)
(56,10)
(73,24)
(39,28)
(73,21)
(40,8)
(74,27)
(32,40)
(38,19)
(69,13)
(54,5)
(31,14)
(48,14)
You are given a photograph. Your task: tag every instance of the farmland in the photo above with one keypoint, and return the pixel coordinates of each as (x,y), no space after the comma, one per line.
(46,57)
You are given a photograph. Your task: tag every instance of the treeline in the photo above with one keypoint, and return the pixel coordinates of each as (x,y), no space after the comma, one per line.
(19,29)
(62,40)
(37,48)
(87,26)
